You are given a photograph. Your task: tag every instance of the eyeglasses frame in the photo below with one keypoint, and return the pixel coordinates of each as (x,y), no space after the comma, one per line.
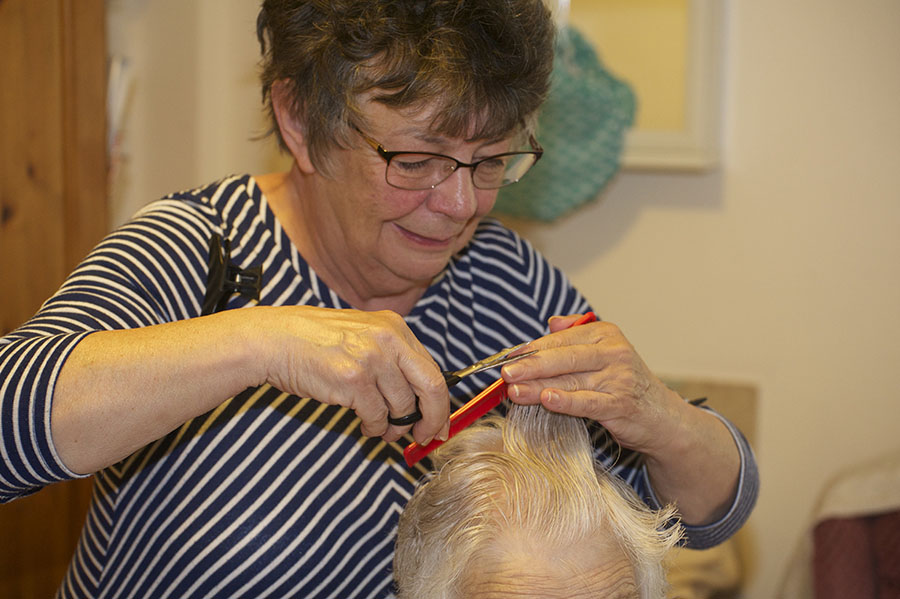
(536,150)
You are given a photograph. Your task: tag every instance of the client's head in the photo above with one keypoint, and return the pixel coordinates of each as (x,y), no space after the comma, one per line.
(518,507)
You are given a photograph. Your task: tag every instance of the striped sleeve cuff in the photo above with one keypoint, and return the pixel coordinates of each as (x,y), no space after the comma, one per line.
(28,376)
(710,535)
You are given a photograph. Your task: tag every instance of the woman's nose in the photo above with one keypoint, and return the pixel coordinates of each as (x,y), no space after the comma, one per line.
(456,196)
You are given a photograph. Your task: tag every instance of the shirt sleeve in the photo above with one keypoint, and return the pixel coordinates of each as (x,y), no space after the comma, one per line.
(152,270)
(710,535)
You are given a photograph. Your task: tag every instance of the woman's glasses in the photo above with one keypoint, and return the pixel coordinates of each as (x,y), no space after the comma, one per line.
(426,170)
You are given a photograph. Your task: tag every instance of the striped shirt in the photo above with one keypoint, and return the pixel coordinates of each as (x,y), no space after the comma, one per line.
(268,495)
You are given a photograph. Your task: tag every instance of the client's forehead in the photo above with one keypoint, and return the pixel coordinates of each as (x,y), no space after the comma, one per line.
(585,571)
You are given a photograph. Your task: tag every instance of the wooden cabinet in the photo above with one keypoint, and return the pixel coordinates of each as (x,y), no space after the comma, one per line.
(52,211)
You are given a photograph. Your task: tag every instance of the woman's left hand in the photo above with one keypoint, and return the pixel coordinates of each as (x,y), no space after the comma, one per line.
(592,371)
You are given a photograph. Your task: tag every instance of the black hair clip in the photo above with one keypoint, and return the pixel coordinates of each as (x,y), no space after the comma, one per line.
(225,279)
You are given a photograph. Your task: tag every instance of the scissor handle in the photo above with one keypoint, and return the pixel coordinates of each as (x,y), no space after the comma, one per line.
(451,378)
(408,419)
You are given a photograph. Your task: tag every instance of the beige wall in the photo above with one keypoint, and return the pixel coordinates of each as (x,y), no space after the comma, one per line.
(194,105)
(782,269)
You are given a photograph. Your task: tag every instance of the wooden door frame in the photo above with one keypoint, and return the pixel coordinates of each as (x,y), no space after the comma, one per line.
(53,209)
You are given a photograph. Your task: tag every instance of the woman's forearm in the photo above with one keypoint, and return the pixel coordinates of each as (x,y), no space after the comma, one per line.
(120,390)
(699,472)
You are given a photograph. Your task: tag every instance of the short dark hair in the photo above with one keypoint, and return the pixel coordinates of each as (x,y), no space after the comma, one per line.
(485,64)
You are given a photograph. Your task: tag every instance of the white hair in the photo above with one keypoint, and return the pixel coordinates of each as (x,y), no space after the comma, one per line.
(533,471)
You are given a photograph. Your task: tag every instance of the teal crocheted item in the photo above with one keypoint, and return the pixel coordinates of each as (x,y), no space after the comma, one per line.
(581,128)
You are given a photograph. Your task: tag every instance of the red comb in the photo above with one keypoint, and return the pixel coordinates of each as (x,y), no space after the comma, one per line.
(477,407)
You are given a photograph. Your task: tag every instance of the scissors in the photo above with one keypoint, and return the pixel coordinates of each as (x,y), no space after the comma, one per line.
(451,377)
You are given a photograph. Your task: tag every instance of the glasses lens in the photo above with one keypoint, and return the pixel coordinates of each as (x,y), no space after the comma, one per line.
(502,170)
(418,171)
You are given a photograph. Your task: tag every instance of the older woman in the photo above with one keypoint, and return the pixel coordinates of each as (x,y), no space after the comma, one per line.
(249,452)
(518,507)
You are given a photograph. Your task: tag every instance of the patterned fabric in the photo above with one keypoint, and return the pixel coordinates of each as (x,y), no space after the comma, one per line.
(268,495)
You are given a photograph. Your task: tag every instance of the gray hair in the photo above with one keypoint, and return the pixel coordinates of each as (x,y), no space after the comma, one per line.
(533,471)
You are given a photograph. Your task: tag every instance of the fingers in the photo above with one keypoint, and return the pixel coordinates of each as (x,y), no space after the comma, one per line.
(553,362)
(595,384)
(430,396)
(584,367)
(419,391)
(592,371)
(369,362)
(411,382)
(586,404)
(397,400)
(559,323)
(427,419)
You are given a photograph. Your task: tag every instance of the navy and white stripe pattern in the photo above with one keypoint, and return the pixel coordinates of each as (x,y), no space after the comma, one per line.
(268,495)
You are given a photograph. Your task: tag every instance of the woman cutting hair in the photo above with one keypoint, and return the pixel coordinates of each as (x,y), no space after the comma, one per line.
(245,436)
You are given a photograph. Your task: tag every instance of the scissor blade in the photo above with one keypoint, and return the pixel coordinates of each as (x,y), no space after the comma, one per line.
(499,359)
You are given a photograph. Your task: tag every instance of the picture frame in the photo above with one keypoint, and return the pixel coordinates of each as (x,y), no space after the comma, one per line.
(670,52)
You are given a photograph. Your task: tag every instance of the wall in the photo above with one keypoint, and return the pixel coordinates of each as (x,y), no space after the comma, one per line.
(783,268)
(779,269)
(193,109)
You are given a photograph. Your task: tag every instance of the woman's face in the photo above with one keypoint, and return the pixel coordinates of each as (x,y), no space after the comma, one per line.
(387,240)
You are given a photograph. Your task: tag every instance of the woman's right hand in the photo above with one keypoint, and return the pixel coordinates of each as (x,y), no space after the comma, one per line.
(369,362)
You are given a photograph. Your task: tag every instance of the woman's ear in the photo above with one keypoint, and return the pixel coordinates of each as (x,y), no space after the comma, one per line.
(291,126)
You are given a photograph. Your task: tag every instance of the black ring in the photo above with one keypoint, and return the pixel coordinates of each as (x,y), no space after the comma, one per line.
(405,420)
